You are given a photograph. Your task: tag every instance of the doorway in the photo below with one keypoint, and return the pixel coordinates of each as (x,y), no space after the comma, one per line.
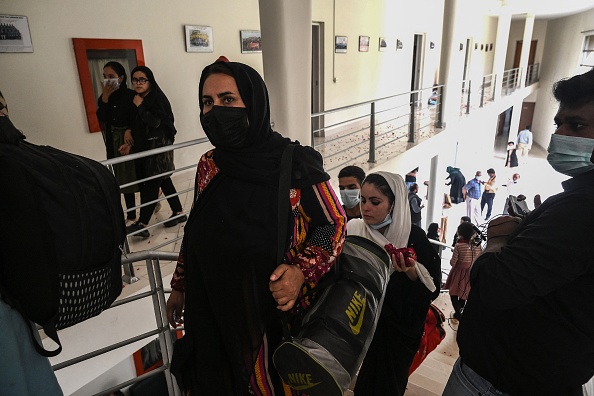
(415,83)
(502,132)
(317,89)
(526,115)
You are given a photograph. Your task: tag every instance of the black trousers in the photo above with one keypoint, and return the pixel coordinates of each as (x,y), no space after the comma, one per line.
(150,192)
(488,200)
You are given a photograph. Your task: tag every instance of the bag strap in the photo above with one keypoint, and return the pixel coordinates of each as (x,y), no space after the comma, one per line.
(284,186)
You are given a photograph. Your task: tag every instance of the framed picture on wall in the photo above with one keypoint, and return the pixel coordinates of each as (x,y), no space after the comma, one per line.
(251,41)
(363,43)
(199,39)
(15,35)
(340,44)
(383,44)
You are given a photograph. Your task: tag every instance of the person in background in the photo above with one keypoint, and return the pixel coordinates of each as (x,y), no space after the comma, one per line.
(415,204)
(228,276)
(350,179)
(433,232)
(489,193)
(527,327)
(465,253)
(456,183)
(511,159)
(115,115)
(445,211)
(463,219)
(411,177)
(524,141)
(23,371)
(412,286)
(473,191)
(513,187)
(153,128)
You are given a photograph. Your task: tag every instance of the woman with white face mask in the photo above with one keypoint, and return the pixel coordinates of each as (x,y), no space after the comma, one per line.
(412,286)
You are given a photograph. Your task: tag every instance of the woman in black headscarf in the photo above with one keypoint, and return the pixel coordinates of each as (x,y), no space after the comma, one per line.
(153,128)
(114,112)
(228,272)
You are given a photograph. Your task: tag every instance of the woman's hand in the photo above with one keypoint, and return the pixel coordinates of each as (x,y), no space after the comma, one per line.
(138,100)
(175,306)
(106,90)
(124,149)
(399,263)
(285,282)
(128,137)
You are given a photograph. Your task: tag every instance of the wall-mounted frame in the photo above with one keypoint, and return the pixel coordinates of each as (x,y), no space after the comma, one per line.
(341,44)
(93,54)
(15,36)
(363,43)
(399,44)
(383,44)
(199,39)
(250,41)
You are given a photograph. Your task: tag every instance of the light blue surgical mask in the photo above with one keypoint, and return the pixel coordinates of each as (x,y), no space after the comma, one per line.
(387,221)
(570,155)
(350,198)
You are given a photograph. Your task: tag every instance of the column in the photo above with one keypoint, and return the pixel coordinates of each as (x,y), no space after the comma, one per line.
(286,53)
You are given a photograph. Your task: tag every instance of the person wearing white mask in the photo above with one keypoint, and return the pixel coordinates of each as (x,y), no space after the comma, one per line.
(349,183)
(537,274)
(413,284)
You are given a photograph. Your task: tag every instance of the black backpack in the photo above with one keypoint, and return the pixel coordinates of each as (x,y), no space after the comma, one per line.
(61,236)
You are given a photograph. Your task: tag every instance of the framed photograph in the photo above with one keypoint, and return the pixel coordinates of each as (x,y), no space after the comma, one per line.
(398,44)
(363,43)
(383,44)
(15,35)
(251,41)
(340,44)
(199,39)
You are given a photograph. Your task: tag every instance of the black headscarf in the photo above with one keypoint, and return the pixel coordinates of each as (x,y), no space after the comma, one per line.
(259,159)
(230,244)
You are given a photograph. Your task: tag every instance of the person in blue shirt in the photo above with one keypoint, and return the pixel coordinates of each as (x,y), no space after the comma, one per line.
(473,191)
(524,142)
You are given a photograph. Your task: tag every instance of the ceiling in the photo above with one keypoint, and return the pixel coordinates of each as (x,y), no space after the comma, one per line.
(547,9)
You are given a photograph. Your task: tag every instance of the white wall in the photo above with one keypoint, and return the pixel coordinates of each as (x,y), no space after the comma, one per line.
(561,57)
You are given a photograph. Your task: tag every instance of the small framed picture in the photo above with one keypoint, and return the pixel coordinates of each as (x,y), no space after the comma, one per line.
(363,43)
(340,44)
(398,44)
(383,44)
(251,41)
(199,39)
(14,34)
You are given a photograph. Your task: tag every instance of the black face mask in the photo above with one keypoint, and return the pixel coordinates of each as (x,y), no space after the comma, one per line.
(226,127)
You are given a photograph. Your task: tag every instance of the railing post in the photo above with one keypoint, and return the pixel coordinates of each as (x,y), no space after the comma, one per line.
(128,276)
(372,135)
(483,92)
(493,85)
(468,98)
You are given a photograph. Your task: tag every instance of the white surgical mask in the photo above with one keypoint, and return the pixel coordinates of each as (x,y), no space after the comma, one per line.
(114,81)
(570,155)
(350,198)
(382,224)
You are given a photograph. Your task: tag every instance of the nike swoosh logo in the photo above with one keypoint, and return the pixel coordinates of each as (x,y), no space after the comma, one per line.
(356,329)
(302,387)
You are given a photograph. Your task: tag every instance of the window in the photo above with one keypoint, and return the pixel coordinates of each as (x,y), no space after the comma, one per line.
(588,52)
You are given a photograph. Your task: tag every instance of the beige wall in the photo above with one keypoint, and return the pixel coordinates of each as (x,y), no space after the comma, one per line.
(561,58)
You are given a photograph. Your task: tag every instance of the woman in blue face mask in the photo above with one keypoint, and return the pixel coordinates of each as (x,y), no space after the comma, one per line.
(412,286)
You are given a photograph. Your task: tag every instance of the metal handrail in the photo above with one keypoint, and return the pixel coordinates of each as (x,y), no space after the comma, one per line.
(157,293)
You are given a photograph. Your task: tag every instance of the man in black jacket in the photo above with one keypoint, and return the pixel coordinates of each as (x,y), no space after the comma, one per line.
(528,328)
